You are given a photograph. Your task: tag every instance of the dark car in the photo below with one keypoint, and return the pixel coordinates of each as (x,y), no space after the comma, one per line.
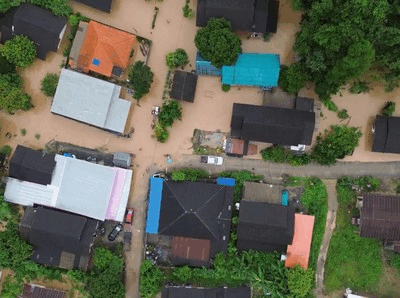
(114,233)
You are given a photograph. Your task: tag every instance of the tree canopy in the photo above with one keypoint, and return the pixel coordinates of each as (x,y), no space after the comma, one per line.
(218,43)
(49,84)
(140,79)
(12,98)
(20,51)
(57,7)
(177,58)
(170,111)
(292,78)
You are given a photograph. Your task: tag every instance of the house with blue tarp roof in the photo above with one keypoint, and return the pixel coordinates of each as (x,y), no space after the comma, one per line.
(204,67)
(253,69)
(153,213)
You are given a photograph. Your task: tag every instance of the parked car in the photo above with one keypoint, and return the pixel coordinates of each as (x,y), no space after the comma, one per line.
(212,160)
(114,233)
(129,216)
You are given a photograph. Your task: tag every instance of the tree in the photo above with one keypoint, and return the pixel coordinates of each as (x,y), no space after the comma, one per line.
(140,79)
(171,110)
(151,279)
(5,66)
(218,43)
(337,143)
(49,84)
(12,98)
(389,109)
(20,50)
(177,58)
(292,78)
(5,209)
(300,281)
(358,87)
(161,133)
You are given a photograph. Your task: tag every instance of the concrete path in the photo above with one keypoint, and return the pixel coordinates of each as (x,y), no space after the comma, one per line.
(330,226)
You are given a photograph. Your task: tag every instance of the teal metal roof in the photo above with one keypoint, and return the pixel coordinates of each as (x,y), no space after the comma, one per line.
(253,69)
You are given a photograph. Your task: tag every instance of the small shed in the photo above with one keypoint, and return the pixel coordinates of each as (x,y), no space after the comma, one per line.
(122,160)
(204,67)
(184,86)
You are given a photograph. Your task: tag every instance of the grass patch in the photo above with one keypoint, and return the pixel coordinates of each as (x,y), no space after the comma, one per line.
(352,261)
(22,131)
(37,136)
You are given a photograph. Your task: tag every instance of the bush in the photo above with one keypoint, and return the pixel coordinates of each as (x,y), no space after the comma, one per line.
(218,43)
(6,149)
(300,281)
(292,78)
(226,87)
(151,279)
(20,51)
(5,210)
(330,105)
(389,109)
(398,188)
(171,110)
(187,11)
(276,153)
(358,87)
(140,79)
(189,174)
(5,66)
(178,176)
(12,98)
(22,131)
(161,133)
(342,114)
(37,136)
(177,58)
(49,84)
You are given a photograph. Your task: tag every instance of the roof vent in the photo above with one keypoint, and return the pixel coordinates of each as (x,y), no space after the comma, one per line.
(96,62)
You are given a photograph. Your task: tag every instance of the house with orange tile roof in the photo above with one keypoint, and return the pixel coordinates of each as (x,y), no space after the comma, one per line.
(298,252)
(101,49)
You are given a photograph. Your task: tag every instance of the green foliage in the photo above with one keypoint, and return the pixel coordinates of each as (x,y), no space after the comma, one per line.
(161,133)
(19,50)
(57,7)
(218,43)
(395,261)
(226,87)
(352,261)
(73,20)
(187,11)
(5,66)
(292,78)
(189,174)
(5,210)
(300,281)
(11,288)
(6,149)
(49,84)
(330,105)
(182,274)
(358,87)
(12,98)
(151,279)
(342,114)
(338,142)
(22,131)
(171,110)
(389,109)
(177,58)
(279,154)
(37,136)
(140,79)
(104,258)
(398,188)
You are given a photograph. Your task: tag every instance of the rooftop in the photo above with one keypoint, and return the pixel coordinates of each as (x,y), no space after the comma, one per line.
(198,292)
(36,291)
(184,86)
(104,5)
(387,134)
(262,192)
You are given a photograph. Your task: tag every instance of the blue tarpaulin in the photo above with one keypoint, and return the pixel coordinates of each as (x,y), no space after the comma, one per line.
(153,213)
(226,181)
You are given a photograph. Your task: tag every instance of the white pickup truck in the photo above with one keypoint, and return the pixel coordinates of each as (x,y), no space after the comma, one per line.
(212,160)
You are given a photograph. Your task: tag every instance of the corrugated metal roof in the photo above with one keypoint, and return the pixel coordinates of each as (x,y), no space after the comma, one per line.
(190,251)
(153,213)
(35,291)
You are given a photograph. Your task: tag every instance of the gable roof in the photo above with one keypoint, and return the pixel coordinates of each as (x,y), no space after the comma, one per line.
(265,226)
(197,210)
(197,292)
(36,291)
(90,100)
(38,24)
(54,233)
(380,217)
(32,165)
(184,86)
(104,5)
(103,48)
(272,125)
(387,135)
(298,252)
(253,69)
(259,16)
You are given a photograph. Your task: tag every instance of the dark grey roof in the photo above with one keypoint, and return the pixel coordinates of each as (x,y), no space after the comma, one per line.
(184,86)
(265,226)
(53,232)
(194,292)
(35,291)
(197,210)
(31,165)
(380,217)
(272,125)
(259,16)
(104,5)
(387,135)
(39,24)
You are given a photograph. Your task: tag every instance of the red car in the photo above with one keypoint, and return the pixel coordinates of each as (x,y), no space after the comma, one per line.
(129,216)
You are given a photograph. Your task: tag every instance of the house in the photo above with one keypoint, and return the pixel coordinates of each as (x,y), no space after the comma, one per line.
(264,226)
(298,252)
(255,16)
(101,49)
(183,86)
(253,69)
(272,125)
(191,209)
(198,292)
(386,134)
(60,239)
(103,5)
(380,217)
(77,186)
(91,101)
(40,25)
(37,291)
(262,192)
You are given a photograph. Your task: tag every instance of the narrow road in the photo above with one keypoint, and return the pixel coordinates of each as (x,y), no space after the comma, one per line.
(330,226)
